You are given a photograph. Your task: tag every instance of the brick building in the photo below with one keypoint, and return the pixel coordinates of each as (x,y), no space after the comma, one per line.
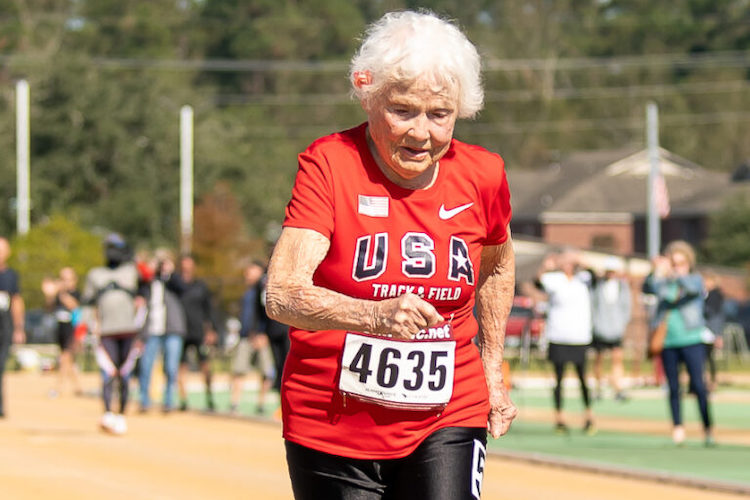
(598,200)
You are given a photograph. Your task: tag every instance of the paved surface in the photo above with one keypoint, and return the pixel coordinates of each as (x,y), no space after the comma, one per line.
(53,449)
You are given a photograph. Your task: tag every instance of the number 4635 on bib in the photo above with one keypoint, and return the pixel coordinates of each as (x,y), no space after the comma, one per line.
(414,375)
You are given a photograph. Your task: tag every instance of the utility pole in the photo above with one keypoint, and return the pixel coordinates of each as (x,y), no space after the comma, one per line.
(23,203)
(652,139)
(186,179)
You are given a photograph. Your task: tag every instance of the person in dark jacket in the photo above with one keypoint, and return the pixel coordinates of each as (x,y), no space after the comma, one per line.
(11,312)
(201,333)
(713,312)
(253,343)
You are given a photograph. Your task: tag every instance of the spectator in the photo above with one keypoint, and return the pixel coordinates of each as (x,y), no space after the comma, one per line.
(63,299)
(12,310)
(568,327)
(253,343)
(611,315)
(680,294)
(715,316)
(278,338)
(651,303)
(113,290)
(201,333)
(164,330)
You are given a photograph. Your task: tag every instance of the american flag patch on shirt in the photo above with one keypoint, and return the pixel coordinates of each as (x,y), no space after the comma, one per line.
(373,206)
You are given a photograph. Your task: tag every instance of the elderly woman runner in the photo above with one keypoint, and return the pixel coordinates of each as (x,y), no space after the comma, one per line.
(394,231)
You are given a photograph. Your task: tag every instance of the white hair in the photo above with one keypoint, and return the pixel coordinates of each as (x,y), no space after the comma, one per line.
(402,47)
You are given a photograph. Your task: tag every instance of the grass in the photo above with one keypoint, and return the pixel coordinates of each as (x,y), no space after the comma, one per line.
(650,404)
(631,450)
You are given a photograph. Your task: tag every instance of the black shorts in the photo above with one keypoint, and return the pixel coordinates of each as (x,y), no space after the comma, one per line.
(448,465)
(605,345)
(201,350)
(566,353)
(65,335)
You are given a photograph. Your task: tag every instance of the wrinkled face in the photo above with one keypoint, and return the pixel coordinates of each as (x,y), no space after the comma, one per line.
(412,127)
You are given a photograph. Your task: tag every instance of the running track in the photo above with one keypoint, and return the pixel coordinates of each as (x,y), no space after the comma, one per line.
(52,449)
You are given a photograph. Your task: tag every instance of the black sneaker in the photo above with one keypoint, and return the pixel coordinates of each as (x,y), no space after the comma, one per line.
(589,428)
(183,406)
(561,428)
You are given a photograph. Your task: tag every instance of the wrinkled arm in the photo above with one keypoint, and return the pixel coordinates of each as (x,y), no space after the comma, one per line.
(293,299)
(494,300)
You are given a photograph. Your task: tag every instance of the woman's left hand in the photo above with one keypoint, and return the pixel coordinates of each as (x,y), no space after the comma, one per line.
(502,412)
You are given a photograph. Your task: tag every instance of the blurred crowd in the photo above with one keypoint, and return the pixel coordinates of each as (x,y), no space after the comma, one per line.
(587,312)
(136,310)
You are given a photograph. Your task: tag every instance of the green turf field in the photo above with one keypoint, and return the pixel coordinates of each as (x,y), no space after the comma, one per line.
(650,404)
(248,402)
(633,451)
(651,453)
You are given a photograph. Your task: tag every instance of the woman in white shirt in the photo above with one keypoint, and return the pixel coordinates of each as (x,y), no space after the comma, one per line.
(568,329)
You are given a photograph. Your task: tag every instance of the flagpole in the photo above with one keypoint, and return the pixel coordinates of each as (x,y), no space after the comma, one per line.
(652,139)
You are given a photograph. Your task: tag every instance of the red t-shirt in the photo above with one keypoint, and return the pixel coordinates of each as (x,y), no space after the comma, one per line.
(386,241)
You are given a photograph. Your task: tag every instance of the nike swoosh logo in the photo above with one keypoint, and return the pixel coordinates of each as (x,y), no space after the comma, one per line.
(448,214)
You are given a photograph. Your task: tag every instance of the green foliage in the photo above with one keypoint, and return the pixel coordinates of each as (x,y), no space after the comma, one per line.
(108,78)
(729,237)
(47,247)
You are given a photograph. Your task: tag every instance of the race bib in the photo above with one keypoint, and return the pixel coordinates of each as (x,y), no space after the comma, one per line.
(402,374)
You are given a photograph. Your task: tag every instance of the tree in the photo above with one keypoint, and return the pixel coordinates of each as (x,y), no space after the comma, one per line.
(221,244)
(49,246)
(728,242)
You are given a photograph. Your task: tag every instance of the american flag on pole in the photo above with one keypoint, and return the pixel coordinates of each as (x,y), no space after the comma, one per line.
(661,196)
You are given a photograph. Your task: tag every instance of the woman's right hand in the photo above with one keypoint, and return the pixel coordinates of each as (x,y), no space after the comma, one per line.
(662,266)
(404,316)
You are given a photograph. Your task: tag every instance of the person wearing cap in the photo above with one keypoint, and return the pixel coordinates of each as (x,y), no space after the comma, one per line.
(112,290)
(611,310)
